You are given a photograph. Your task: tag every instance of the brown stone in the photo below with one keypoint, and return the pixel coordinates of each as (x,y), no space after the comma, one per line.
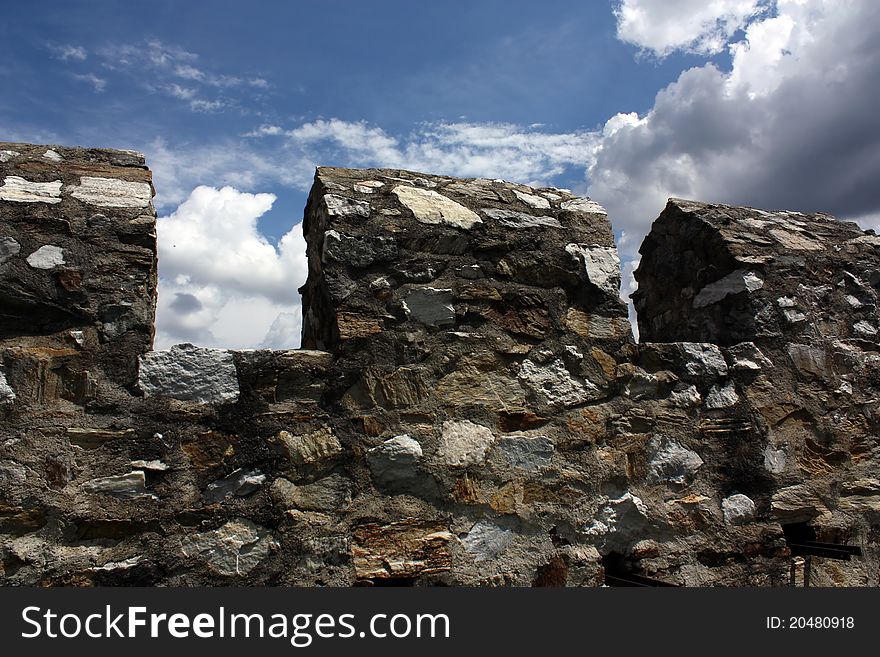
(404,549)
(210,449)
(353,325)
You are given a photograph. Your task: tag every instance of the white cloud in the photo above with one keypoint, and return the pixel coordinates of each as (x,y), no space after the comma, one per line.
(98,84)
(221,282)
(67,52)
(791,125)
(700,26)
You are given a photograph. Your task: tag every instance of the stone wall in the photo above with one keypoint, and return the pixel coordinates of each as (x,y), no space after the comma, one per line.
(469,407)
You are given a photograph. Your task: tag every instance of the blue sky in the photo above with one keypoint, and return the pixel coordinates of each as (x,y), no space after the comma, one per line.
(630,101)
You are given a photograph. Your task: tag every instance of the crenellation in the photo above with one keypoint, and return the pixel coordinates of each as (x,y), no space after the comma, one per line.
(469,408)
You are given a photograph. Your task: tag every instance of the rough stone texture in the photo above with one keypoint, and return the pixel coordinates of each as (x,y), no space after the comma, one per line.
(481,415)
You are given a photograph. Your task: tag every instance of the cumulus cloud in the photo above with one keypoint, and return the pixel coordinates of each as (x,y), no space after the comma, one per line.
(791,125)
(701,26)
(221,282)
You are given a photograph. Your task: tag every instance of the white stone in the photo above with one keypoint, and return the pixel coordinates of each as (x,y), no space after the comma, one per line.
(853,302)
(583,205)
(154,465)
(786,302)
(189,373)
(8,248)
(46,257)
(687,398)
(395,459)
(795,241)
(722,397)
(5,156)
(746,356)
(430,207)
(431,306)
(513,219)
(533,201)
(551,196)
(738,509)
(127,486)
(236,548)
(367,186)
(619,522)
(671,462)
(19,190)
(464,443)
(556,385)
(342,206)
(734,283)
(112,193)
(7,394)
(864,329)
(486,540)
(703,359)
(600,263)
(52,155)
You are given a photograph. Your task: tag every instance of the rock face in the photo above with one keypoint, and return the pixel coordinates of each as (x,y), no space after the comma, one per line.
(478,414)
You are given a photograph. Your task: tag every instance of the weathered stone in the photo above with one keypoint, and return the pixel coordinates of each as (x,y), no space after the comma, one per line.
(583,206)
(7,155)
(239,483)
(92,438)
(526,452)
(354,325)
(189,373)
(619,523)
(236,548)
(328,494)
(154,465)
(747,357)
(799,503)
(514,219)
(52,155)
(486,540)
(722,396)
(367,186)
(735,282)
(703,360)
(311,447)
(46,257)
(430,306)
(555,385)
(464,443)
(810,360)
(127,486)
(532,200)
(671,462)
(405,549)
(8,249)
(403,387)
(600,264)
(358,251)
(112,193)
(597,327)
(738,509)
(429,207)
(19,190)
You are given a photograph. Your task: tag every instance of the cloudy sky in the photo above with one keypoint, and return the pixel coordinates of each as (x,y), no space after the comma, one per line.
(758,102)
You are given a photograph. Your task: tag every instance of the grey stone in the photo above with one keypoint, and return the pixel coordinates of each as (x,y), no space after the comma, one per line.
(189,373)
(619,523)
(19,190)
(239,483)
(703,360)
(486,540)
(532,200)
(464,443)
(127,486)
(671,462)
(328,494)
(738,509)
(513,219)
(236,548)
(342,206)
(430,207)
(735,282)
(357,251)
(722,396)
(430,306)
(112,193)
(810,360)
(774,460)
(46,257)
(395,460)
(7,394)
(556,385)
(685,397)
(526,452)
(8,248)
(600,264)
(865,329)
